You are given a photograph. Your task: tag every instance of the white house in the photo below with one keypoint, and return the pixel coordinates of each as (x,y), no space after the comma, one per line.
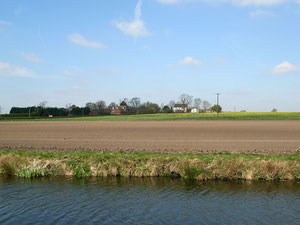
(194,110)
(180,108)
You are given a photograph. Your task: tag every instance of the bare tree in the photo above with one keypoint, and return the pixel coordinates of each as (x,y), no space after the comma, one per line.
(206,105)
(161,106)
(113,104)
(91,106)
(185,99)
(135,102)
(274,110)
(69,108)
(43,104)
(100,107)
(197,103)
(171,104)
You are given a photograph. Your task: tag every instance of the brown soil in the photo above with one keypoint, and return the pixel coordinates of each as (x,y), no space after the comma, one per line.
(154,136)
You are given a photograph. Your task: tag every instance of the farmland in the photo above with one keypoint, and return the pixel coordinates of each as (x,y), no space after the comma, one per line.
(170,117)
(153,136)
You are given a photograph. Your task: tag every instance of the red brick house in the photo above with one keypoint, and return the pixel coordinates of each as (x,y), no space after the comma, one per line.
(118,110)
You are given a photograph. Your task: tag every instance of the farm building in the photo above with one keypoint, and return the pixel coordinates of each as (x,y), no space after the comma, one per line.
(118,110)
(180,108)
(194,110)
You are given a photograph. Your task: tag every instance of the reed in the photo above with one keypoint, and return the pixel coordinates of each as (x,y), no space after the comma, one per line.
(188,166)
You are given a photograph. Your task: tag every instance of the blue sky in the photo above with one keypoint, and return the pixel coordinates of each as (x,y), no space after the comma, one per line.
(83,51)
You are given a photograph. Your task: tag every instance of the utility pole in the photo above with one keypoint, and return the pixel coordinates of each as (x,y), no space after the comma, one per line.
(29,112)
(218,94)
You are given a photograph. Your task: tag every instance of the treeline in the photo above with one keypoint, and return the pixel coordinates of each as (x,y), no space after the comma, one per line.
(37,111)
(133,106)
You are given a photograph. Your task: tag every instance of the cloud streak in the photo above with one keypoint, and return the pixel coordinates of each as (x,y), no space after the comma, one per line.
(31,58)
(233,2)
(78,39)
(261,13)
(4,22)
(136,28)
(10,70)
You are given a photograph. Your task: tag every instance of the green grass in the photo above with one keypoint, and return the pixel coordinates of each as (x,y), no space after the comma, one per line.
(177,116)
(86,155)
(206,166)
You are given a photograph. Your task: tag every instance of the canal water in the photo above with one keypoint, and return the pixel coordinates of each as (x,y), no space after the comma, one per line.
(147,201)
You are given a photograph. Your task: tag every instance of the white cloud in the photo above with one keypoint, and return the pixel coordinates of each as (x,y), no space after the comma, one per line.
(82,41)
(284,67)
(136,28)
(10,70)
(234,2)
(190,61)
(31,58)
(260,13)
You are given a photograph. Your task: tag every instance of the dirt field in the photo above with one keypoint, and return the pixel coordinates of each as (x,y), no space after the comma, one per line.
(154,136)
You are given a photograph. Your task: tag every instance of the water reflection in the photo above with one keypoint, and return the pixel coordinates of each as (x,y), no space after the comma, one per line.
(147,201)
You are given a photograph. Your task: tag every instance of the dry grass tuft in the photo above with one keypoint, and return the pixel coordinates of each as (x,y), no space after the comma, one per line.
(223,167)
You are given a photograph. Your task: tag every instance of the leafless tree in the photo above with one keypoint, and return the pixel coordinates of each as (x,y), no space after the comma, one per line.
(112,105)
(135,102)
(206,105)
(100,107)
(91,106)
(185,99)
(69,108)
(197,103)
(171,104)
(43,104)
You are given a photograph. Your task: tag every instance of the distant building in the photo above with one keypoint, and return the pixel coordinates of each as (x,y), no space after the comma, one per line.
(118,110)
(180,108)
(194,110)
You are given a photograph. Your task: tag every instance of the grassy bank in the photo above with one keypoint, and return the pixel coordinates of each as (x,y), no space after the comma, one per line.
(176,116)
(188,166)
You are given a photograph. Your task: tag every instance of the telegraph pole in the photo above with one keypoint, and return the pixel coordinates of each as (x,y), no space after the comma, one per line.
(218,94)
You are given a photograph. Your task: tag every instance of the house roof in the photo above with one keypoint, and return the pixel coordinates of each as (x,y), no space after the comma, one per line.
(180,105)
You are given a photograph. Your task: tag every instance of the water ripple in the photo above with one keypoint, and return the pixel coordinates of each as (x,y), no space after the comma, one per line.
(146,201)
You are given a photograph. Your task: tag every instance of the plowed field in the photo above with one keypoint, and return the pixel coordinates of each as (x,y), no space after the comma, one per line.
(153,136)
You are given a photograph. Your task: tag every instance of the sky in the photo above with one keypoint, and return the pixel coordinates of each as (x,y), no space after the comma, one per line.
(78,51)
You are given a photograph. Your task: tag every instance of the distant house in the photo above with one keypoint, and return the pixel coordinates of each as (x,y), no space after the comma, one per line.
(118,110)
(180,108)
(194,110)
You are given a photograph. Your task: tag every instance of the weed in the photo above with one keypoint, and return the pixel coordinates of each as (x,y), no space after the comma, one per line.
(30,172)
(82,170)
(7,168)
